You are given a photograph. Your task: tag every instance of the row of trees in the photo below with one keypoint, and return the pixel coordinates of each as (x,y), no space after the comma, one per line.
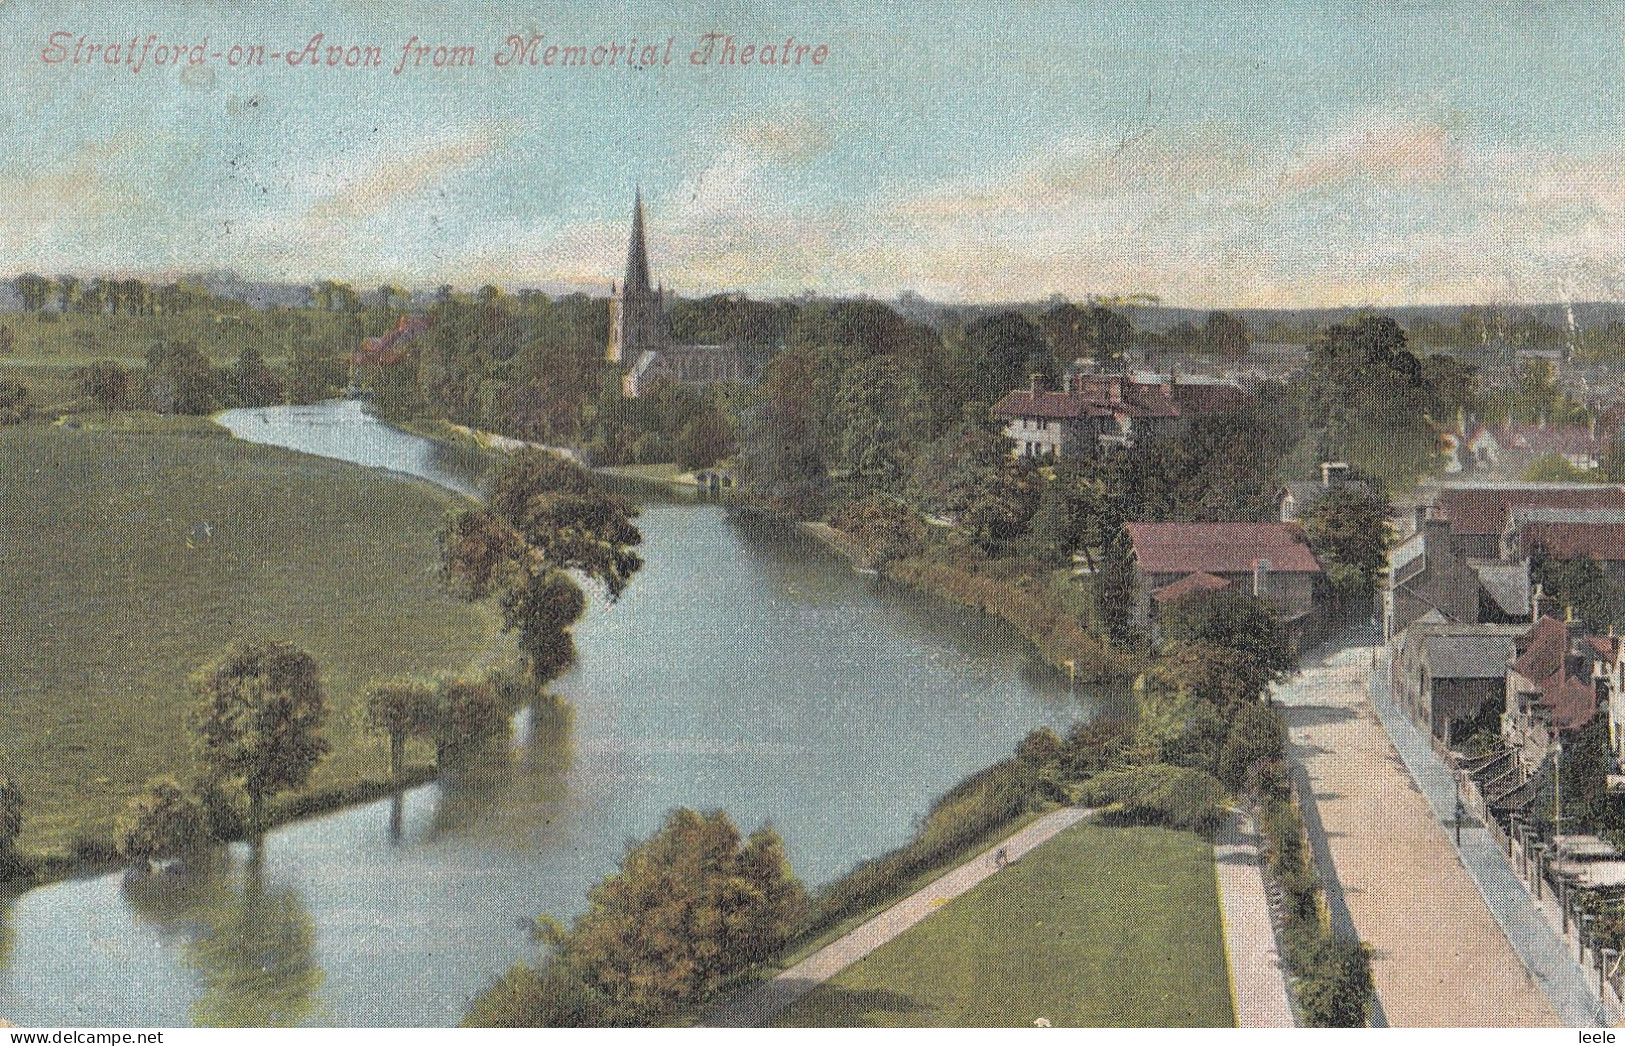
(128,297)
(179,379)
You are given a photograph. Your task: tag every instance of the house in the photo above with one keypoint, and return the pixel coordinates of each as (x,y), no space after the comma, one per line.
(1299,496)
(1476,446)
(1269,560)
(1568,533)
(1431,575)
(1451,677)
(1552,689)
(390,349)
(1093,411)
(1478,511)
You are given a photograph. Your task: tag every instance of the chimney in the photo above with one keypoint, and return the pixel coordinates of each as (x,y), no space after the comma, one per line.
(1114,388)
(1539,602)
(1035,384)
(1261,574)
(1333,474)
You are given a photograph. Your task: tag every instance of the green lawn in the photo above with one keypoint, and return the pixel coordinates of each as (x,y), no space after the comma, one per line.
(132,557)
(1100,927)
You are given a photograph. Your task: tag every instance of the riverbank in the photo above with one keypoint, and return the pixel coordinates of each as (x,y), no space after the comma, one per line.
(141,548)
(1016,596)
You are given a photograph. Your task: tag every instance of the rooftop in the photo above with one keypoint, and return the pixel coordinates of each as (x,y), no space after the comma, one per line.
(1221,548)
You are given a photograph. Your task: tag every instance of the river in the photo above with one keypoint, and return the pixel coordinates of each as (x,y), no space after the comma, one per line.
(745,669)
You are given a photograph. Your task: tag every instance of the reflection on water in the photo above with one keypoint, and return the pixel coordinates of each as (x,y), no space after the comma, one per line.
(744,670)
(508,794)
(250,942)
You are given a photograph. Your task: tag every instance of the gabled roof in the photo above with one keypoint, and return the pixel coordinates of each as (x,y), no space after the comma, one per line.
(1507,584)
(1573,701)
(1024,403)
(1467,656)
(1542,653)
(1603,541)
(1189,585)
(1221,548)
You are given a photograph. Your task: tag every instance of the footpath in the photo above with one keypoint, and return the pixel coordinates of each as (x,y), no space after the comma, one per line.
(1441,958)
(1257,978)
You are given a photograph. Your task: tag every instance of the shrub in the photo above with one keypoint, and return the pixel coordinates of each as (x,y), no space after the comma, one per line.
(164,821)
(1159,794)
(550,997)
(1256,735)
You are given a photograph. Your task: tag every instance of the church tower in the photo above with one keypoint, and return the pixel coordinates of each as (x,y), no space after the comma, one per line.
(637,312)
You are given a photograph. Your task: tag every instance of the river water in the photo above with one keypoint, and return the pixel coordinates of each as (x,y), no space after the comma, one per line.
(744,669)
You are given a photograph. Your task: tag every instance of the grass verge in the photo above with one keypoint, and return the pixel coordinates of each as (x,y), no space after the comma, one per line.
(1099,927)
(133,557)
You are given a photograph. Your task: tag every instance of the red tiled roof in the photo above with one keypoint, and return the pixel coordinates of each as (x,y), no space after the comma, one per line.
(391,348)
(1091,397)
(1573,701)
(1221,548)
(1024,403)
(1189,585)
(1483,510)
(1603,541)
(1551,439)
(1543,649)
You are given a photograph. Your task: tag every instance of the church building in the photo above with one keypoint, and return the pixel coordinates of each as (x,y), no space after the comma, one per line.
(640,340)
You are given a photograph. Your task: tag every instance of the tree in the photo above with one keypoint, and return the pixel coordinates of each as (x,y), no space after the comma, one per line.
(878,411)
(1234,621)
(400,709)
(260,721)
(467,714)
(546,518)
(688,909)
(1349,533)
(34,290)
(1003,351)
(1114,598)
(250,382)
(106,382)
(180,379)
(1225,335)
(969,476)
(11,827)
(164,821)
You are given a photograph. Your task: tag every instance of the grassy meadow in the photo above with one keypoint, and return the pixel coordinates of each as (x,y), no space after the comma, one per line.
(1099,927)
(135,549)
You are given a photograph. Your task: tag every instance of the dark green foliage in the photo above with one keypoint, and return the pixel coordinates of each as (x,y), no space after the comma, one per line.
(11,826)
(165,821)
(400,709)
(1004,350)
(1159,794)
(250,383)
(14,403)
(1580,584)
(1234,621)
(1350,534)
(180,379)
(546,518)
(689,909)
(1336,988)
(968,476)
(1257,735)
(886,528)
(467,714)
(106,382)
(260,722)
(1115,595)
(552,996)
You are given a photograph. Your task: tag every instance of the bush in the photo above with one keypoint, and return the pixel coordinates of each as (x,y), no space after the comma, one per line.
(1256,735)
(1159,794)
(1337,989)
(164,821)
(963,816)
(1090,748)
(550,997)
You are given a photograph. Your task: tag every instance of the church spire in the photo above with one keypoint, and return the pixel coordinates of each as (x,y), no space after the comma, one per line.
(637,256)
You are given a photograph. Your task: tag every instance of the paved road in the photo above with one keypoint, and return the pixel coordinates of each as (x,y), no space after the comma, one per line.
(1541,950)
(1258,986)
(1441,959)
(755,1008)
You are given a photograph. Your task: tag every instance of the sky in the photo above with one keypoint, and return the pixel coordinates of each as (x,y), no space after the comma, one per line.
(1212,155)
